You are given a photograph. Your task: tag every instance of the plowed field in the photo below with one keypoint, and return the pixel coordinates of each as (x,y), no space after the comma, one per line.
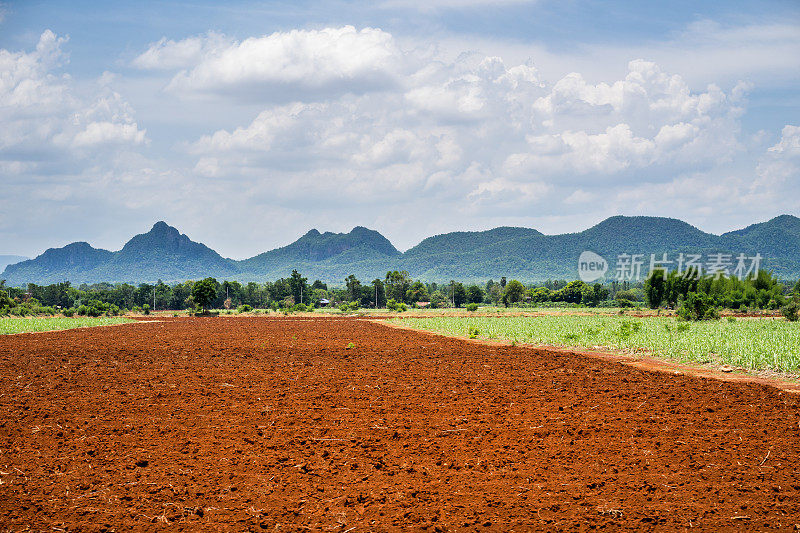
(277,425)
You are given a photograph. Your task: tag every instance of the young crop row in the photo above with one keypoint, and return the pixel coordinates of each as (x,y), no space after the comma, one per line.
(28,325)
(755,344)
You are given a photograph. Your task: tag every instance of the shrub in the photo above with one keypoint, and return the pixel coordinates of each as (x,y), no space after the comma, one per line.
(624,302)
(790,311)
(697,306)
(397,307)
(146,309)
(627,294)
(472,307)
(245,308)
(301,308)
(69,312)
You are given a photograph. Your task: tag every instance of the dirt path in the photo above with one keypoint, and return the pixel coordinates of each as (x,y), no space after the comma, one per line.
(274,424)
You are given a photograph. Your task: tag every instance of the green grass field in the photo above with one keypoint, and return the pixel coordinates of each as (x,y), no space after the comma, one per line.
(27,325)
(754,344)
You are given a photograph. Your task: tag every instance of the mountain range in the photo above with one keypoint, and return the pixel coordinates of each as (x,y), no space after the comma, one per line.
(522,253)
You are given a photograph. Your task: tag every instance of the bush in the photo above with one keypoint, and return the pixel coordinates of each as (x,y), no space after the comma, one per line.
(698,306)
(397,307)
(623,302)
(472,307)
(146,309)
(245,308)
(790,311)
(300,308)
(69,312)
(628,294)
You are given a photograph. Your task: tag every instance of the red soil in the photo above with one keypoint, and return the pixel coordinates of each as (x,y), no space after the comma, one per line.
(274,424)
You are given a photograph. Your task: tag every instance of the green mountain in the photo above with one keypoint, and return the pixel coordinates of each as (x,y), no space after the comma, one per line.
(777,239)
(71,262)
(328,256)
(522,253)
(162,253)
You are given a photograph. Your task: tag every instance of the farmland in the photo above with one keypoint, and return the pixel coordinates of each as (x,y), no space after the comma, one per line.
(344,424)
(753,344)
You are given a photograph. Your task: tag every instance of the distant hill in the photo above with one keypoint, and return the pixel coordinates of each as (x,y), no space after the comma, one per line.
(162,253)
(522,253)
(329,256)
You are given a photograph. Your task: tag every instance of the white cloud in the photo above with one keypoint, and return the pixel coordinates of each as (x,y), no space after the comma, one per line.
(108,132)
(46,113)
(789,143)
(480,134)
(282,66)
(25,78)
(705,52)
(173,55)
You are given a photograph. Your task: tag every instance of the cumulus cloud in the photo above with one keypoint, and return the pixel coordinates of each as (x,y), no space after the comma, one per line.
(789,143)
(282,66)
(173,55)
(495,136)
(45,114)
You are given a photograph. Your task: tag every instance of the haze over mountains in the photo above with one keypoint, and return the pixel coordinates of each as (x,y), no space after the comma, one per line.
(526,254)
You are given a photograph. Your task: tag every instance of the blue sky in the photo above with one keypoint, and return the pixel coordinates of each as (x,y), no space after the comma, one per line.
(245,124)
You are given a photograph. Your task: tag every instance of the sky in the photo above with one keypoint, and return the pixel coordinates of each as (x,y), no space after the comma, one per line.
(245,124)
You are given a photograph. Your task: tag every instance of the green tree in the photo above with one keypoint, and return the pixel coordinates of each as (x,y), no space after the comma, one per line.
(655,288)
(353,288)
(672,289)
(378,293)
(459,294)
(494,294)
(204,292)
(397,283)
(698,306)
(790,311)
(298,287)
(572,292)
(475,294)
(540,294)
(417,292)
(513,292)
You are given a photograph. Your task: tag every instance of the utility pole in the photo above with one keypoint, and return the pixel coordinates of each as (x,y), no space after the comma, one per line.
(376,296)
(301,293)
(154,298)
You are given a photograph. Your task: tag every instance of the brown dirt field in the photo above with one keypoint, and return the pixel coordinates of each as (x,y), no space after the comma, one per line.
(272,424)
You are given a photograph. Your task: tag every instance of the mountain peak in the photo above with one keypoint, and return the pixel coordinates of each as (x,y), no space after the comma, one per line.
(162,227)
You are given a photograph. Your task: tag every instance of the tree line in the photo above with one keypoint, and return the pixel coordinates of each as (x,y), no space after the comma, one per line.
(398,291)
